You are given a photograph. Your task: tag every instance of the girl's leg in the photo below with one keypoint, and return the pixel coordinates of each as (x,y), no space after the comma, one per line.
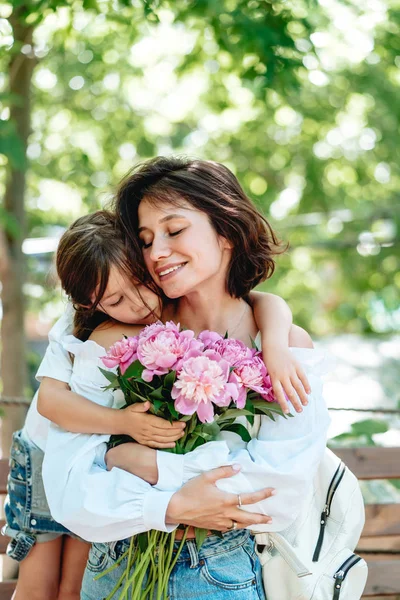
(74,558)
(39,572)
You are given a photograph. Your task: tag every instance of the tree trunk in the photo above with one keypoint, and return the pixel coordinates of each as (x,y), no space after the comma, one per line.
(13,365)
(12,264)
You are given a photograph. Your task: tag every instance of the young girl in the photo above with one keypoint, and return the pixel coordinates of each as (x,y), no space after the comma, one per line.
(96,274)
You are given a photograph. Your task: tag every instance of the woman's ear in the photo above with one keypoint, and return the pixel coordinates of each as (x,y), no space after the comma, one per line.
(225,244)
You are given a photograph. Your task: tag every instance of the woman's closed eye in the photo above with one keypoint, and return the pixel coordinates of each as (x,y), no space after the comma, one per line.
(146,245)
(174,233)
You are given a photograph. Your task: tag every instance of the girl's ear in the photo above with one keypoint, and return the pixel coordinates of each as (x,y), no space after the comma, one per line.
(82,306)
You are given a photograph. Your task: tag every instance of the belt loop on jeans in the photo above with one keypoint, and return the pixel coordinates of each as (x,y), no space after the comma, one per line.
(112,550)
(193,553)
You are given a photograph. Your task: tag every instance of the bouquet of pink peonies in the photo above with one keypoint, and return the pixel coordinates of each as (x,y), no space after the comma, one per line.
(207,381)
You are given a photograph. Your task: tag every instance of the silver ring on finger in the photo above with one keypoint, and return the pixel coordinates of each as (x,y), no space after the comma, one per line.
(239,501)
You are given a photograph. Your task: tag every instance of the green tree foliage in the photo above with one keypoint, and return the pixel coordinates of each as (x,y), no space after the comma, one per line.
(279,91)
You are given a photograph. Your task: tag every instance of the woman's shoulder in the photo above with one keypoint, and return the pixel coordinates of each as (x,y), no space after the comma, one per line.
(108,333)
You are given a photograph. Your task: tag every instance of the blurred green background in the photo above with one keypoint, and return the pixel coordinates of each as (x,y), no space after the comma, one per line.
(298,98)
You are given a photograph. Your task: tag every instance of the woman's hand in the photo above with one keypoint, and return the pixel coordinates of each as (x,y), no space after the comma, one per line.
(201,504)
(147,429)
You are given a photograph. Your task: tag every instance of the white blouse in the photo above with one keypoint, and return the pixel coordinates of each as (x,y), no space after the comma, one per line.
(101,505)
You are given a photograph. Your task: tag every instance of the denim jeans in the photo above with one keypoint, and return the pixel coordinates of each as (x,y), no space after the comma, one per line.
(28,518)
(223,569)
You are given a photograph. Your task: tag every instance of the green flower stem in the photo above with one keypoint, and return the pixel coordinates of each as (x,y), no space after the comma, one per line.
(141,561)
(178,552)
(113,566)
(116,587)
(168,561)
(131,545)
(161,566)
(121,579)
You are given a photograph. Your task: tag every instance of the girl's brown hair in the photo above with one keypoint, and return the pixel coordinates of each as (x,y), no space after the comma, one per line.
(212,188)
(87,250)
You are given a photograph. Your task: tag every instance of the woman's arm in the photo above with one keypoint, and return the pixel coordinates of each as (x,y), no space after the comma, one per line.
(102,506)
(274,320)
(285,454)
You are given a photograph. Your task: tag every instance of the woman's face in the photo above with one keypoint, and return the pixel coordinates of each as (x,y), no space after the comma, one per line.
(126,302)
(181,248)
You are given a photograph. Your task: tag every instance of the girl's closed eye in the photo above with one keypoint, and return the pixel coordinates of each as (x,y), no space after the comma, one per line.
(117,302)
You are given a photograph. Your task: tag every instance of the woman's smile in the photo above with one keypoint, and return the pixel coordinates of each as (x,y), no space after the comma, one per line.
(168,271)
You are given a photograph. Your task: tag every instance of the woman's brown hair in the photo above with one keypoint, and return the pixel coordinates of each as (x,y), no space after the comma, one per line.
(85,254)
(211,188)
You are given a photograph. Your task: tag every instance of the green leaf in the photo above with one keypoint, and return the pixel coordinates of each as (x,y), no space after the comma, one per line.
(111,377)
(173,411)
(157,394)
(186,418)
(201,535)
(169,380)
(134,370)
(157,405)
(369,427)
(268,407)
(211,429)
(239,429)
(234,413)
(192,443)
(253,343)
(90,5)
(143,541)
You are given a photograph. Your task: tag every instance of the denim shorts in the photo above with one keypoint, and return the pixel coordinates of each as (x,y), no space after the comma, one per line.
(223,569)
(28,518)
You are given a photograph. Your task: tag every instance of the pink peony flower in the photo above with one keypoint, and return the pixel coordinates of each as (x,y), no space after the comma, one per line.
(122,354)
(251,374)
(209,338)
(202,382)
(232,350)
(162,347)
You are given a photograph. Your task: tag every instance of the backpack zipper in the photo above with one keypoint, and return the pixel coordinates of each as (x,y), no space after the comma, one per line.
(334,484)
(342,572)
(289,556)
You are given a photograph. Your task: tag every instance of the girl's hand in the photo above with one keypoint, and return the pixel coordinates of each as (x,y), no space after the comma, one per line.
(147,429)
(201,504)
(287,377)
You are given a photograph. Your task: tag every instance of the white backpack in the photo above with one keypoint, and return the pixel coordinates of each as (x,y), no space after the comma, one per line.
(313,559)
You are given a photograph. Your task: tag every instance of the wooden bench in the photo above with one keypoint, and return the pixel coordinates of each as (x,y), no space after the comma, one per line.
(381,536)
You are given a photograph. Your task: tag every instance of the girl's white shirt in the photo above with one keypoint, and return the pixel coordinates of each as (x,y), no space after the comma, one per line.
(103,506)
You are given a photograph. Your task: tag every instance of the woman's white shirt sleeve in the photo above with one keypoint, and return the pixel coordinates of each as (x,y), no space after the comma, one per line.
(285,455)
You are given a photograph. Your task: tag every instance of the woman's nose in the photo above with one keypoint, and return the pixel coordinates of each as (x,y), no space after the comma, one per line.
(159,249)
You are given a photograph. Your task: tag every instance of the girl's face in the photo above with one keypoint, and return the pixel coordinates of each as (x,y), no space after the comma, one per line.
(126,302)
(181,248)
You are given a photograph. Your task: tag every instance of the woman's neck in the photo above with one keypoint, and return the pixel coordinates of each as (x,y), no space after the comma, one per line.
(220,313)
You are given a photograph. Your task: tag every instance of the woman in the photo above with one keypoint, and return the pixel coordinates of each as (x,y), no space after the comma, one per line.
(205,243)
